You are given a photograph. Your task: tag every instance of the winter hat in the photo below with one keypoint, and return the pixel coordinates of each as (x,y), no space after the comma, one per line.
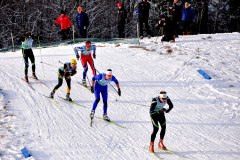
(119,4)
(88,43)
(163,94)
(109,72)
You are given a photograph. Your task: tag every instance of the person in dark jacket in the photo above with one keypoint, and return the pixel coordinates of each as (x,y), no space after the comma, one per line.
(143,14)
(187,17)
(176,11)
(65,24)
(157,111)
(82,21)
(121,20)
(168,28)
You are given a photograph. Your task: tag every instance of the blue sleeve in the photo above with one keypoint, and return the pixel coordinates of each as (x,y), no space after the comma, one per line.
(76,49)
(97,77)
(94,48)
(114,79)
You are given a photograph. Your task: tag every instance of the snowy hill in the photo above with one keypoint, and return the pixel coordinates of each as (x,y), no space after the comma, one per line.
(204,123)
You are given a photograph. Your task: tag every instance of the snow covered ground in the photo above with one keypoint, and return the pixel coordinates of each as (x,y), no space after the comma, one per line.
(204,123)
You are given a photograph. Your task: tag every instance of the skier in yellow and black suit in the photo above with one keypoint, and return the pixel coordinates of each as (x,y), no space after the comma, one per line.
(68,70)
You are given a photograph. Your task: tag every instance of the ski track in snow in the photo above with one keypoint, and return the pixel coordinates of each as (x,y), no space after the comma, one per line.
(204,123)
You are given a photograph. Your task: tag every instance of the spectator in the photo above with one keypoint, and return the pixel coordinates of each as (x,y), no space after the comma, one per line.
(143,8)
(82,21)
(187,17)
(65,24)
(176,10)
(168,28)
(121,19)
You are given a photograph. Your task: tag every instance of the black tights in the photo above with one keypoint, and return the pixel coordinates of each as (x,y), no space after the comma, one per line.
(158,118)
(28,53)
(60,80)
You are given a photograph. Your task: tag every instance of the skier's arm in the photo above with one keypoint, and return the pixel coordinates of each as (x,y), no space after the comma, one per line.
(94,49)
(153,105)
(169,102)
(114,79)
(76,49)
(97,77)
(117,84)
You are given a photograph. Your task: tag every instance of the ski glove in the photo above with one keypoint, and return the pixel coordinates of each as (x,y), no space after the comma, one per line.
(77,57)
(73,73)
(119,92)
(94,55)
(92,90)
(162,110)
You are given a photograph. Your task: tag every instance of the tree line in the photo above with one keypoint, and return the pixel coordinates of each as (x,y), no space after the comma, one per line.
(37,16)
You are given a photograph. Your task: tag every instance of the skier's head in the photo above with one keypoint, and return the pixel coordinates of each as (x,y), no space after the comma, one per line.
(108,74)
(163,96)
(73,63)
(27,35)
(88,45)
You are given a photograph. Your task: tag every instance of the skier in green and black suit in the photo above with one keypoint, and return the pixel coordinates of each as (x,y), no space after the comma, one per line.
(157,116)
(28,53)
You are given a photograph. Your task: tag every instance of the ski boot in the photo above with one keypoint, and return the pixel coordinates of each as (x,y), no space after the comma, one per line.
(105,117)
(92,114)
(51,95)
(34,76)
(84,83)
(151,147)
(68,98)
(26,78)
(161,145)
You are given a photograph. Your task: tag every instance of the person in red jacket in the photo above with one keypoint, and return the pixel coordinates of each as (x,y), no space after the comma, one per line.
(65,24)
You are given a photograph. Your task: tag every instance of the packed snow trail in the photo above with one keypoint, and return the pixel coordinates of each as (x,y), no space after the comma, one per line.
(204,123)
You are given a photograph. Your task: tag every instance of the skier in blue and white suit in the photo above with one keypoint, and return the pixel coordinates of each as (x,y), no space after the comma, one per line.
(101,86)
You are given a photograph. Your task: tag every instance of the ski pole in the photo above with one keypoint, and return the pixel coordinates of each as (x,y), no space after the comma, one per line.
(40,51)
(47,64)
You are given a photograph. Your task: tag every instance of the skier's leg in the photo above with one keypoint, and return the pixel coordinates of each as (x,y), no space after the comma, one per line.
(85,67)
(60,81)
(162,121)
(25,58)
(105,98)
(68,80)
(91,63)
(154,120)
(97,91)
(32,59)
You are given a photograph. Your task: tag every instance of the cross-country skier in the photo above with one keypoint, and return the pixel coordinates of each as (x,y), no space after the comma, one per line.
(68,70)
(157,116)
(28,53)
(86,57)
(101,86)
